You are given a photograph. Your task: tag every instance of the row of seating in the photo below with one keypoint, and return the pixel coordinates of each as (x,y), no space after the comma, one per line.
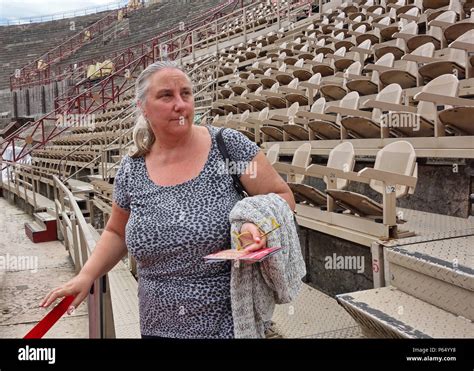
(291,78)
(93,138)
(394,175)
(383,116)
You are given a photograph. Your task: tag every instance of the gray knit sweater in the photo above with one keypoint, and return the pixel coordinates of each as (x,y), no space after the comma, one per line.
(256,288)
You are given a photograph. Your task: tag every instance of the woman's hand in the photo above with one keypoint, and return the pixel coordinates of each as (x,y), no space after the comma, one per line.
(78,287)
(250,237)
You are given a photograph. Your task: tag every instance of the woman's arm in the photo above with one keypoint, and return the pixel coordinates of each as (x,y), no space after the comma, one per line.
(261,178)
(107,253)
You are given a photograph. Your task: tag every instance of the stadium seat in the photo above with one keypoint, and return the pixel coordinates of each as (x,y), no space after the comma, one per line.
(393,174)
(341,157)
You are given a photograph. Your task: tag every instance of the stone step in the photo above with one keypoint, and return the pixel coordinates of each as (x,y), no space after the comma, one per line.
(438,272)
(388,312)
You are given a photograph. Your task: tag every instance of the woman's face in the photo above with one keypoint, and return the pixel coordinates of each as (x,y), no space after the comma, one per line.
(169,104)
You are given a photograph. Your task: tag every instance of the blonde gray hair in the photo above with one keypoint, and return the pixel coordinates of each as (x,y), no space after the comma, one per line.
(143,136)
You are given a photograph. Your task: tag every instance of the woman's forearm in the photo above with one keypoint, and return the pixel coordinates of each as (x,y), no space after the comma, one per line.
(289,198)
(109,250)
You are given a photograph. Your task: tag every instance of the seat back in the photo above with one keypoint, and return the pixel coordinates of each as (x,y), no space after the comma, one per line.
(410,28)
(390,94)
(397,157)
(437,32)
(263,114)
(273,153)
(319,57)
(299,63)
(361,28)
(385,21)
(302,157)
(385,60)
(315,79)
(292,111)
(414,12)
(355,68)
(425,50)
(366,44)
(446,85)
(341,157)
(319,106)
(341,52)
(294,83)
(350,100)
(467,37)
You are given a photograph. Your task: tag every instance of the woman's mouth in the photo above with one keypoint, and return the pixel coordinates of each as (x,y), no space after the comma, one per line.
(181,120)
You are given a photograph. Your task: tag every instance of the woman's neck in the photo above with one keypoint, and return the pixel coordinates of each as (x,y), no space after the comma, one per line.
(169,147)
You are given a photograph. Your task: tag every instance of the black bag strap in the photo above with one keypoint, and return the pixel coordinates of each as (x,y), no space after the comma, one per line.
(223,150)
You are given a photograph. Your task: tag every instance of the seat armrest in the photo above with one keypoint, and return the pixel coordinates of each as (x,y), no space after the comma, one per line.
(309,85)
(376,67)
(409,18)
(388,177)
(348,112)
(384,106)
(281,167)
(287,90)
(320,171)
(437,23)
(402,35)
(443,100)
(271,94)
(316,116)
(419,58)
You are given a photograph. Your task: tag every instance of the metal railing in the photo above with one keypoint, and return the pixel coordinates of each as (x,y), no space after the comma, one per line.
(20,174)
(80,242)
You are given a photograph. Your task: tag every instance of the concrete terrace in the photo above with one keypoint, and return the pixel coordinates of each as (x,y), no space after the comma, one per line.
(23,285)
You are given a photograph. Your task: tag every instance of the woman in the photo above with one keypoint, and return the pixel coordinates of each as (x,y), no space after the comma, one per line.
(171,208)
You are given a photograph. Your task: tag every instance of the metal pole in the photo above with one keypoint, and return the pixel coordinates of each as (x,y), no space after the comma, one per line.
(278,14)
(245,25)
(193,38)
(289,8)
(217,39)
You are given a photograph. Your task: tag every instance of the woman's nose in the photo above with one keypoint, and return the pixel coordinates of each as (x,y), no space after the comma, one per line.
(179,103)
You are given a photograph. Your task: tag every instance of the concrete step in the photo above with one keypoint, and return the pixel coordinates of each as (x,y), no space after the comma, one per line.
(43,229)
(388,312)
(76,185)
(440,273)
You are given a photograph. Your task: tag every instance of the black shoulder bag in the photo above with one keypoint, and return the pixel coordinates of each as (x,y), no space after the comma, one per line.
(223,150)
